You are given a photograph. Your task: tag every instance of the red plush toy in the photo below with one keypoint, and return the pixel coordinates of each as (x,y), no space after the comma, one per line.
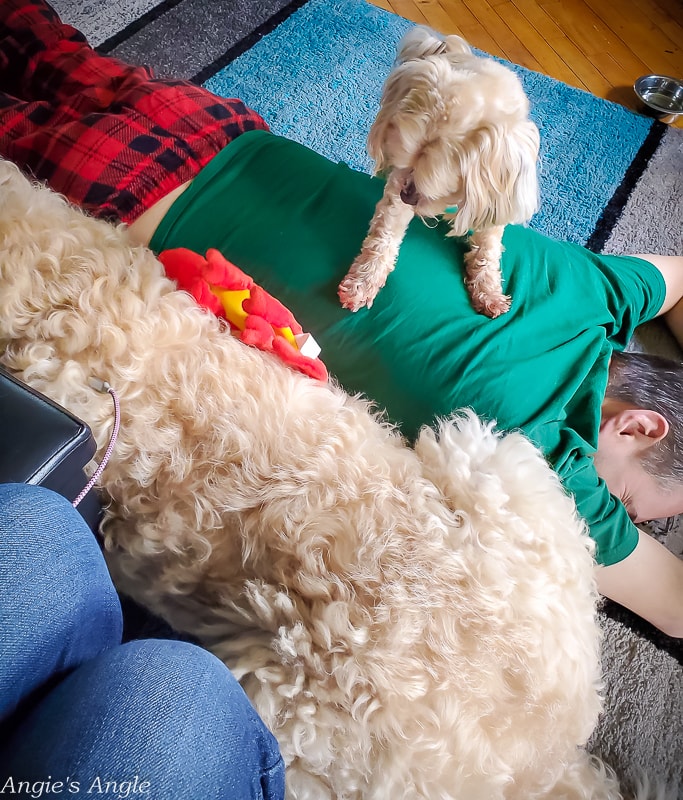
(254,316)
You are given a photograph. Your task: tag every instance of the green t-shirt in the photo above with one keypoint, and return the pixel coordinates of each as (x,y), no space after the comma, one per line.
(295,221)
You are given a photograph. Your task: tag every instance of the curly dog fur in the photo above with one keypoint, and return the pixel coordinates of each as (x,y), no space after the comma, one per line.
(410,623)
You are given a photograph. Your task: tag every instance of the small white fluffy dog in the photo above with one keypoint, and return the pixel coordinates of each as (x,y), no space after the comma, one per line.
(454,139)
(409,623)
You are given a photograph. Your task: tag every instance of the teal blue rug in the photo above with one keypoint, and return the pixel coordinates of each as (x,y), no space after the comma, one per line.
(317,78)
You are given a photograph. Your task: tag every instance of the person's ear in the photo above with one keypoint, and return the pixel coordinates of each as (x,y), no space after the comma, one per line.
(644,426)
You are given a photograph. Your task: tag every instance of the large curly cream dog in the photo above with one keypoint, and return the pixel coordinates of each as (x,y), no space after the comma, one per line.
(410,623)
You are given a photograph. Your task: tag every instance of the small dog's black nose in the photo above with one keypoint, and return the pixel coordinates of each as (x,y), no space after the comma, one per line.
(409,194)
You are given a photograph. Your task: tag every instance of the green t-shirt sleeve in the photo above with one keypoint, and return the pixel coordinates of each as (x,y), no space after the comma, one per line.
(634,292)
(611,528)
(631,291)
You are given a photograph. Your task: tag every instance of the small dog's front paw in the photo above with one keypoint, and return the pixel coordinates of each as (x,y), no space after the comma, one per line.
(353,295)
(356,292)
(483,278)
(491,305)
(363,281)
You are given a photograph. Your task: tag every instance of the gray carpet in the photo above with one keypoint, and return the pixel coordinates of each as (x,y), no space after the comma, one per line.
(642,727)
(643,720)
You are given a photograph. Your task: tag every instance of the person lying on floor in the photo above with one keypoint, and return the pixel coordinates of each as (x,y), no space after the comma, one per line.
(185,168)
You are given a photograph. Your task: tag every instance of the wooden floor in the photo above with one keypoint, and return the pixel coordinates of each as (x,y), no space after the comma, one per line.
(598,45)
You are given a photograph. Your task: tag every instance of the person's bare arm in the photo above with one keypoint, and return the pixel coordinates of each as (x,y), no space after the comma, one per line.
(671,268)
(650,583)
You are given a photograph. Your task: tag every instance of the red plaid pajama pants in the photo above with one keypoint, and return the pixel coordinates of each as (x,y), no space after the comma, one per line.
(105,134)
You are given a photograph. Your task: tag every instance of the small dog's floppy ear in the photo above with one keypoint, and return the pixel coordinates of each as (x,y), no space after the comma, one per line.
(420,42)
(376,139)
(404,116)
(501,182)
(524,144)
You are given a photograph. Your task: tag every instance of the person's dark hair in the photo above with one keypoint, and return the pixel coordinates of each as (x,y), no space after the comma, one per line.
(655,383)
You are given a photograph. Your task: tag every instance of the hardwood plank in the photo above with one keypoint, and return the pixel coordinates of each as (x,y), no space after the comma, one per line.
(580,25)
(589,75)
(608,53)
(512,48)
(383,4)
(673,9)
(539,19)
(550,61)
(607,65)
(471,27)
(408,10)
(653,47)
(478,36)
(437,18)
(460,13)
(466,24)
(668,20)
(571,15)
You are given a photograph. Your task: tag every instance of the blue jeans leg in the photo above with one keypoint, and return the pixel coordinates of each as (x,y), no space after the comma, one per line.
(162,720)
(154,719)
(58,606)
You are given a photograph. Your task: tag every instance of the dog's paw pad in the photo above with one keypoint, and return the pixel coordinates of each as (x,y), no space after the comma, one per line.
(353,296)
(491,306)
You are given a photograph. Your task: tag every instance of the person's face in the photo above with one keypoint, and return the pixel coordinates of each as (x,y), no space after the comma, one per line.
(642,496)
(626,435)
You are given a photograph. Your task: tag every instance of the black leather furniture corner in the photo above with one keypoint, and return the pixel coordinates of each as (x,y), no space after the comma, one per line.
(43,444)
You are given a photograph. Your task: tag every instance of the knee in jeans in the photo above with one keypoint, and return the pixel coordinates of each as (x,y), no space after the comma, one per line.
(206,695)
(52,569)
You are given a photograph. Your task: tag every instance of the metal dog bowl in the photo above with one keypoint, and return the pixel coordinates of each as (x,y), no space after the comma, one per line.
(662,97)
